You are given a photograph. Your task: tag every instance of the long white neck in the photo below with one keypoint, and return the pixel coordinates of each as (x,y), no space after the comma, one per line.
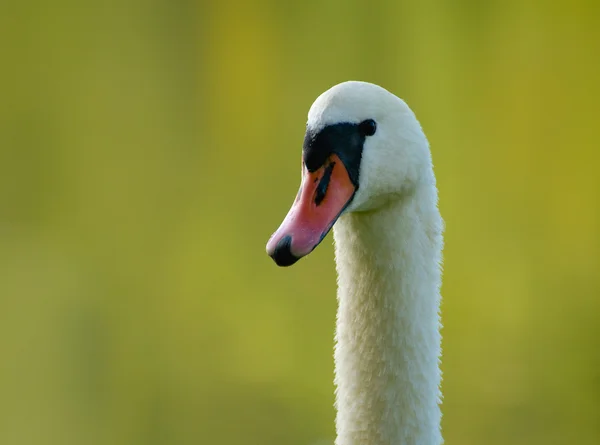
(387,338)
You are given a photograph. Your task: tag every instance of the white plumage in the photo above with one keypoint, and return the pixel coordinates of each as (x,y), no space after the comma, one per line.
(388,244)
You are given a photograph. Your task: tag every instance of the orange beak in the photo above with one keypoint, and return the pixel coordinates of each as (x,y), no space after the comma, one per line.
(323,196)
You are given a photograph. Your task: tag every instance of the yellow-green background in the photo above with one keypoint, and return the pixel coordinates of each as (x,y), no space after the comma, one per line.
(148,150)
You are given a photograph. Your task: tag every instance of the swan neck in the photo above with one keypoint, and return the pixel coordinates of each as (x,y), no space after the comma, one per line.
(387,336)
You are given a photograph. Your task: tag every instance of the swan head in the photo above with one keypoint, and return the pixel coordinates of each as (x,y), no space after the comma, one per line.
(363,147)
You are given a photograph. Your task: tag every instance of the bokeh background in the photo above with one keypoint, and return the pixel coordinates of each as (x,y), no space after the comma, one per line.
(149,148)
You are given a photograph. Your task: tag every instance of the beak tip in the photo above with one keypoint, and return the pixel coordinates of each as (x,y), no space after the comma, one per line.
(282,252)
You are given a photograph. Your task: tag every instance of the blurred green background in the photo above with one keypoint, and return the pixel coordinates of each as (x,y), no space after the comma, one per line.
(149,148)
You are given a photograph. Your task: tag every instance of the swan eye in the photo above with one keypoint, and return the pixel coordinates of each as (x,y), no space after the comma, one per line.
(368,127)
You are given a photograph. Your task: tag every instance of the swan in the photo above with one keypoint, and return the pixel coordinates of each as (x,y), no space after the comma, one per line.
(366,166)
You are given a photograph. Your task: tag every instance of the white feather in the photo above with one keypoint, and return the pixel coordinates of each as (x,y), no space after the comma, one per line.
(388,256)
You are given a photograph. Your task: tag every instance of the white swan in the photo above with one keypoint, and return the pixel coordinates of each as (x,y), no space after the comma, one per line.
(367,161)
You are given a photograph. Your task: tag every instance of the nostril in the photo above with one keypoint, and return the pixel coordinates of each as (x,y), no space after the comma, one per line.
(282,254)
(324,184)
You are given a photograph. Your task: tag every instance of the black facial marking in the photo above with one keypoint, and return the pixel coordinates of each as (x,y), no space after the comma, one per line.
(345,139)
(324,184)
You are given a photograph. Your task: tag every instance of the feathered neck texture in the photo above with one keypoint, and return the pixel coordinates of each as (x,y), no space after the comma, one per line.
(387,338)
